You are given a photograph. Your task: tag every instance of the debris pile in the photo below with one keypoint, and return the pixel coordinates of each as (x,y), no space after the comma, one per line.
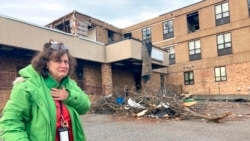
(155,106)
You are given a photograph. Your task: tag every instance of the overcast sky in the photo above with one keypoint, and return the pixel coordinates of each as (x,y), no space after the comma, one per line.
(120,13)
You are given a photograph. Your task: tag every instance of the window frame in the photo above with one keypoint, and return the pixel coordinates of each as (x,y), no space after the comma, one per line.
(111,36)
(225,15)
(220,77)
(223,48)
(171,53)
(196,55)
(146,34)
(193,22)
(64,26)
(168,29)
(190,78)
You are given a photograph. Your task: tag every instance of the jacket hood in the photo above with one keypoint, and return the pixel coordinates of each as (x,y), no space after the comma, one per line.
(29,73)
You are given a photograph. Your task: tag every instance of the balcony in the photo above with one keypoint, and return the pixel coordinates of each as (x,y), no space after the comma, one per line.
(128,54)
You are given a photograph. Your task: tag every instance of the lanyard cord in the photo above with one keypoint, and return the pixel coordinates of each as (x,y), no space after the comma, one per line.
(61,112)
(63,122)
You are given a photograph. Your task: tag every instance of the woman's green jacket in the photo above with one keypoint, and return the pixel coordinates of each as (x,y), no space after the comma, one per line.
(30,113)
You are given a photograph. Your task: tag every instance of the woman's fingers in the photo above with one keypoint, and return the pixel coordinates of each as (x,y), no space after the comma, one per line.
(59,94)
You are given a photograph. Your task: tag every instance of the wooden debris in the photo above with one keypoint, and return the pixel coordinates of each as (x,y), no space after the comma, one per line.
(208,118)
(153,105)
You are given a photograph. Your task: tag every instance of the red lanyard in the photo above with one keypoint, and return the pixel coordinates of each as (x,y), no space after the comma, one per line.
(63,122)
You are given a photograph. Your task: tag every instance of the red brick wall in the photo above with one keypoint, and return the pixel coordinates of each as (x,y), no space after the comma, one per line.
(4,96)
(238,80)
(92,73)
(122,80)
(92,78)
(11,63)
(8,72)
(107,82)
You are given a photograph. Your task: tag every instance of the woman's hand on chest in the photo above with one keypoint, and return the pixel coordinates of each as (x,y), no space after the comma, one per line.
(59,94)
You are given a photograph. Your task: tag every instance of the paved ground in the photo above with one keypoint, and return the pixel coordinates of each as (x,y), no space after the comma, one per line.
(233,128)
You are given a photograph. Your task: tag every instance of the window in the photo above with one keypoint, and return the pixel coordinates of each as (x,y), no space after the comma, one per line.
(249,7)
(171,53)
(222,14)
(110,36)
(189,78)
(193,22)
(168,29)
(194,50)
(156,54)
(224,44)
(220,74)
(65,26)
(146,34)
(127,35)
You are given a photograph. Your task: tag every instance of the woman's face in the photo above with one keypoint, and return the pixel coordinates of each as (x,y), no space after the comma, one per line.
(58,69)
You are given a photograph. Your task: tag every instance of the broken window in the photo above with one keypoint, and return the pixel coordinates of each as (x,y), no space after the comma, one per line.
(146,34)
(220,74)
(64,26)
(110,36)
(171,54)
(168,29)
(189,78)
(224,44)
(193,22)
(127,35)
(222,14)
(194,50)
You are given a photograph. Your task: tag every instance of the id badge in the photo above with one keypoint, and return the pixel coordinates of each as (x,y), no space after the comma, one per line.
(63,133)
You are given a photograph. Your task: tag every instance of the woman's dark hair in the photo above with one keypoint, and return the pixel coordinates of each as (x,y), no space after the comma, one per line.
(52,50)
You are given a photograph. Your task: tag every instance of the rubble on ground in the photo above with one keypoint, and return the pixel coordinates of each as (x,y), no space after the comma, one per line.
(154,105)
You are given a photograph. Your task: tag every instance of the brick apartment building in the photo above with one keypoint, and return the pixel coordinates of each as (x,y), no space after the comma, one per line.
(208,45)
(202,48)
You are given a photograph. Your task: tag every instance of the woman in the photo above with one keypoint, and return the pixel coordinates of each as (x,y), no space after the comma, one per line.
(45,103)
